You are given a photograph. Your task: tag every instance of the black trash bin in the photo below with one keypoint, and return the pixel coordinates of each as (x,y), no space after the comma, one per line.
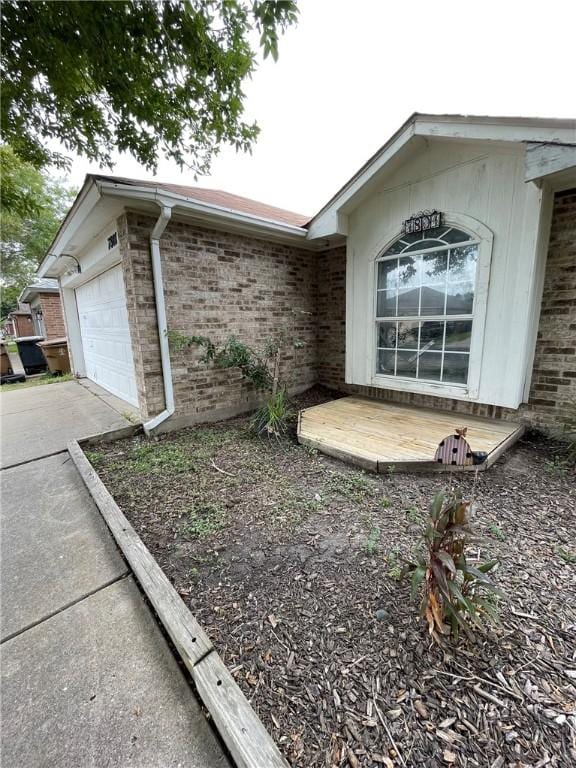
(32,357)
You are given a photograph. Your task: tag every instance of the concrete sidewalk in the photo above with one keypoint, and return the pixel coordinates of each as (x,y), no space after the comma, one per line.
(88,679)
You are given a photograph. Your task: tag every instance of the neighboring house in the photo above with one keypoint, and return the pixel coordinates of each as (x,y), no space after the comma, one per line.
(43,297)
(20,322)
(472,310)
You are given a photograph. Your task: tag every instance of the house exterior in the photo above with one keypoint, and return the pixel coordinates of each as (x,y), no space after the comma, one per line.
(19,322)
(442,274)
(47,315)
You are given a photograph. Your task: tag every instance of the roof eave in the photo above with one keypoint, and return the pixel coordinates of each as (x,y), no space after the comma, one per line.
(465,128)
(204,211)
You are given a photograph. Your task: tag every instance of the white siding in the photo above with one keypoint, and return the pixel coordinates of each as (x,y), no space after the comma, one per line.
(482,181)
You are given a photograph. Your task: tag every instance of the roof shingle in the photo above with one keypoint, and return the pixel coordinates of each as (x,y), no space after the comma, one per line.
(221,199)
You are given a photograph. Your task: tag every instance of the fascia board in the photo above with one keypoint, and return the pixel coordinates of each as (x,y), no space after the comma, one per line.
(496,129)
(29,293)
(544,160)
(204,211)
(81,208)
(327,222)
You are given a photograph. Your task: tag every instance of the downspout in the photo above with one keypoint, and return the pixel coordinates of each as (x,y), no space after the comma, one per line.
(155,236)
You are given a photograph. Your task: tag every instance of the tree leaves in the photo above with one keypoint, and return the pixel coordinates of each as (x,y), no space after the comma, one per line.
(32,206)
(145,77)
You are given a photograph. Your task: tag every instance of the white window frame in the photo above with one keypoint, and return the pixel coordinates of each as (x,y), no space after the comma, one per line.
(483,237)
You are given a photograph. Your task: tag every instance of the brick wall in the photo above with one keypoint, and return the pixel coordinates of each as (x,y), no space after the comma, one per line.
(553,389)
(216,284)
(554,378)
(52,315)
(23,325)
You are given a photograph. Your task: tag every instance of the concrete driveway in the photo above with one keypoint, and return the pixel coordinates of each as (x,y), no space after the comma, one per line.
(39,421)
(87,676)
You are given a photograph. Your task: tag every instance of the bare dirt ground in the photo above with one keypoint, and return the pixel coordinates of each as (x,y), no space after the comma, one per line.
(291,562)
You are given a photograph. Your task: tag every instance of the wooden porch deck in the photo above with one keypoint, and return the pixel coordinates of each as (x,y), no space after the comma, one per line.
(377,435)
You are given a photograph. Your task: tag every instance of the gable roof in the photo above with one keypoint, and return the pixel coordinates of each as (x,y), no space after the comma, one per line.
(39,285)
(217,198)
(527,130)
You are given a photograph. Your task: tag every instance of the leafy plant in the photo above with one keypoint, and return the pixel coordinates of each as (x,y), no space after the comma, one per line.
(497,532)
(413,516)
(458,595)
(204,520)
(260,367)
(373,541)
(557,466)
(395,570)
(273,417)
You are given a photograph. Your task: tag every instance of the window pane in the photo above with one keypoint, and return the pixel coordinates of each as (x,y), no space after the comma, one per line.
(397,247)
(386,304)
(456,236)
(406,364)
(386,362)
(458,335)
(434,268)
(408,335)
(463,264)
(431,336)
(429,366)
(408,302)
(460,299)
(408,272)
(432,300)
(388,274)
(455,368)
(420,246)
(387,335)
(413,237)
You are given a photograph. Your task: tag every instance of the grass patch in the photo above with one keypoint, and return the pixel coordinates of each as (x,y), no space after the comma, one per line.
(204,519)
(160,457)
(95,458)
(413,516)
(292,509)
(568,557)
(45,378)
(372,541)
(355,487)
(557,467)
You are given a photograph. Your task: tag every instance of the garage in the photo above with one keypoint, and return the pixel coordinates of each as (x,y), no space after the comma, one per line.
(105,334)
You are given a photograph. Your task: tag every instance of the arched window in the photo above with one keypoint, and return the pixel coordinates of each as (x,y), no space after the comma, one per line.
(425,306)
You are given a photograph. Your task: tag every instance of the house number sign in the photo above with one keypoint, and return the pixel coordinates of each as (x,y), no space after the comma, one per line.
(422,222)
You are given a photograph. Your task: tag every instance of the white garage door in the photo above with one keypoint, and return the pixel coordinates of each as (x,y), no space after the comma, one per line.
(106,335)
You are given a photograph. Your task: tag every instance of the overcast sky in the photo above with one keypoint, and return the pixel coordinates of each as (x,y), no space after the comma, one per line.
(353,71)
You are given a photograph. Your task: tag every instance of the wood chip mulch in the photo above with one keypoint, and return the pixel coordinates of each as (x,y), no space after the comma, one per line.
(290,560)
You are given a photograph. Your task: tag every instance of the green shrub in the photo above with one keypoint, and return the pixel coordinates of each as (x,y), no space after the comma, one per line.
(458,595)
(274,417)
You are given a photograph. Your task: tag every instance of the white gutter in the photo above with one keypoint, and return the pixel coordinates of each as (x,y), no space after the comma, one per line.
(155,236)
(205,210)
